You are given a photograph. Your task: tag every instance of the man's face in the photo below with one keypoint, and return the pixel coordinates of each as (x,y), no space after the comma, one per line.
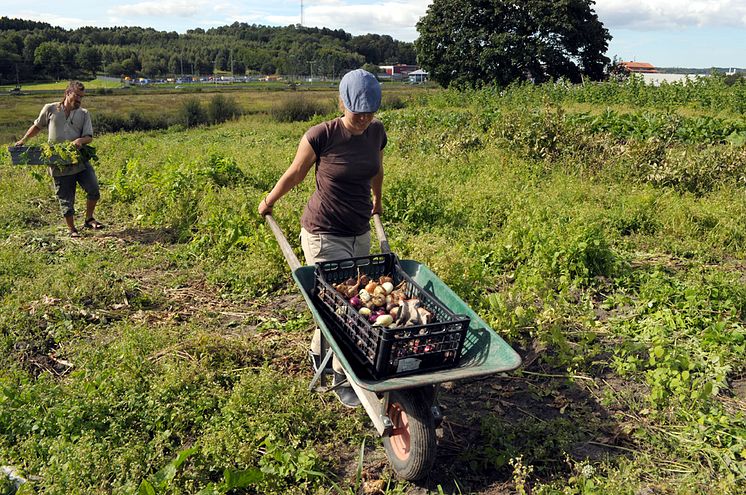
(73,98)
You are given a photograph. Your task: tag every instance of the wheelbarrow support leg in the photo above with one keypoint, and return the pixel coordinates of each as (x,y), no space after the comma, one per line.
(322,367)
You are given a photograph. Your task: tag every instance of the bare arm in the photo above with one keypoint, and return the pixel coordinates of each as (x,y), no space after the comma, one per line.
(304,159)
(82,141)
(32,131)
(376,185)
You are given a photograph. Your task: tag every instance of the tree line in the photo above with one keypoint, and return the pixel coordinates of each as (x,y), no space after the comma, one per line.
(31,50)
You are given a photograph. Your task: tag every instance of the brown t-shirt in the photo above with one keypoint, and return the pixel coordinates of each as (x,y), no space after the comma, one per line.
(345,165)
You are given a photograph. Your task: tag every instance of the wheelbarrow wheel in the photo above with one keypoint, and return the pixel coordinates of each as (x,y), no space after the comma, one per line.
(411,446)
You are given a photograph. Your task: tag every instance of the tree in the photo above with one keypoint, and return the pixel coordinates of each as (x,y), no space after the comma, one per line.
(140,51)
(479,42)
(617,71)
(49,59)
(89,58)
(9,61)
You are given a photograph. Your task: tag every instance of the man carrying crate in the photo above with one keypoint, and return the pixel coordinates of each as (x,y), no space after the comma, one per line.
(66,121)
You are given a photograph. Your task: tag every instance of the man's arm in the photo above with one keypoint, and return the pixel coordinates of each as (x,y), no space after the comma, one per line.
(82,141)
(86,135)
(32,131)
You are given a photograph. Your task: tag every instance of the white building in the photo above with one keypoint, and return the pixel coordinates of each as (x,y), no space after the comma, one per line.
(418,76)
(659,77)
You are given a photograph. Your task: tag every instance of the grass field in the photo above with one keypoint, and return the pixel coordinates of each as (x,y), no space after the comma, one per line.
(169,350)
(17,113)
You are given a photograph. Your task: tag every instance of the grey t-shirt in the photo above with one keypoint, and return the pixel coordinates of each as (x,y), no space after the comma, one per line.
(64,128)
(345,165)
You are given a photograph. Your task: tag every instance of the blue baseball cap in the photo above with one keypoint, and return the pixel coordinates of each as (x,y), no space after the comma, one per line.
(360,91)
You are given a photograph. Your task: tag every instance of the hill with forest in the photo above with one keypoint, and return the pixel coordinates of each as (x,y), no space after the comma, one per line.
(31,50)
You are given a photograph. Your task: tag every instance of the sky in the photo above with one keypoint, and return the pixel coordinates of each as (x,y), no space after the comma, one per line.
(665,33)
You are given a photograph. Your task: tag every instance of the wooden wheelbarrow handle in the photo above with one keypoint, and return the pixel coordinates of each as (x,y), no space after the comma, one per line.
(287,250)
(382,239)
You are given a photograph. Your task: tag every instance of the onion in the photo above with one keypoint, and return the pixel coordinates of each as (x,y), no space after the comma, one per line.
(356,302)
(365,311)
(388,287)
(364,295)
(371,287)
(379,300)
(398,295)
(384,320)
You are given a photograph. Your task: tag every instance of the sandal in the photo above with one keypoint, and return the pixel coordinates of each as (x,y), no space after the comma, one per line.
(92,223)
(74,233)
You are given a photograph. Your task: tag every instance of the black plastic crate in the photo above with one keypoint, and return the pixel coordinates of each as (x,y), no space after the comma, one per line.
(387,352)
(33,155)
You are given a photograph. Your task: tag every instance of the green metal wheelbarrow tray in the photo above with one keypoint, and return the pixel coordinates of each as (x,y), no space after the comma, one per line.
(403,409)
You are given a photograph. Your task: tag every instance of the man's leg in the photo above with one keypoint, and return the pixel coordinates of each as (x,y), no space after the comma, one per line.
(90,206)
(64,188)
(89,182)
(70,221)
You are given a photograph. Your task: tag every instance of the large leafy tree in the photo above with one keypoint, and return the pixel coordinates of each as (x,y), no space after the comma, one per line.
(479,42)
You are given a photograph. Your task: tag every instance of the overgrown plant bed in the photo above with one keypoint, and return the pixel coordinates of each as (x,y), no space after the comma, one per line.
(169,352)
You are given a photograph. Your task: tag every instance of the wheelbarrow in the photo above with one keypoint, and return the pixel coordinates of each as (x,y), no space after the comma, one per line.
(403,409)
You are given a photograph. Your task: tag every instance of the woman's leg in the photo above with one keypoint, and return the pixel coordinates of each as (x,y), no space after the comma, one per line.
(322,247)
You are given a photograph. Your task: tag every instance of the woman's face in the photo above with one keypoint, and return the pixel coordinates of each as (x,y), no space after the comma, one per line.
(358,122)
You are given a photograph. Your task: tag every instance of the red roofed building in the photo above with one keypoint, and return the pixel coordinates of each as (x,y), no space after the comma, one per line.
(398,71)
(639,67)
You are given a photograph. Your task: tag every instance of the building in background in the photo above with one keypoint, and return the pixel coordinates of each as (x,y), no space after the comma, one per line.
(418,76)
(398,72)
(639,67)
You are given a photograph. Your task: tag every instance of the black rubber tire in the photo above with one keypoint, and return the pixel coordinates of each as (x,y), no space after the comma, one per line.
(412,446)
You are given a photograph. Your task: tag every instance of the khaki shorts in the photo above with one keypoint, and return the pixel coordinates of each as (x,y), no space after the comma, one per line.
(325,247)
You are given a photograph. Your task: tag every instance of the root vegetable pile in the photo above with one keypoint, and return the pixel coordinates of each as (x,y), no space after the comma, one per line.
(377,303)
(382,303)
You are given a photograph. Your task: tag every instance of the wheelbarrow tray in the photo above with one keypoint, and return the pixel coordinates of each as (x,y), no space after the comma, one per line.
(484,352)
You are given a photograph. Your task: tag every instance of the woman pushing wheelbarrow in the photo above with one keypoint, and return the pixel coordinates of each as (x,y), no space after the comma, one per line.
(392,369)
(348,155)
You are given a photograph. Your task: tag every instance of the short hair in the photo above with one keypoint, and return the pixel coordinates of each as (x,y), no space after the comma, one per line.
(73,86)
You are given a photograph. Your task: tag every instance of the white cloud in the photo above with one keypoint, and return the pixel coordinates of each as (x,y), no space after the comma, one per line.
(179,8)
(58,20)
(671,14)
(395,18)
